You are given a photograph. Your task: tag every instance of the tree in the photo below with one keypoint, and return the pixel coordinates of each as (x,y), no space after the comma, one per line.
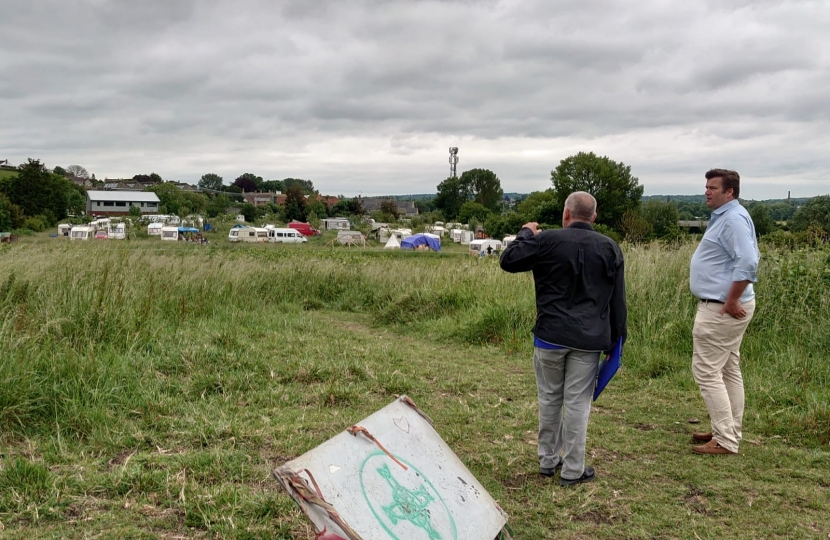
(391,209)
(294,205)
(77,171)
(541,207)
(347,207)
(135,212)
(473,211)
(211,181)
(611,183)
(11,215)
(217,205)
(451,195)
(275,186)
(248,182)
(501,225)
(483,186)
(662,218)
(38,192)
(178,202)
(635,227)
(761,218)
(815,212)
(425,205)
(307,186)
(59,170)
(249,211)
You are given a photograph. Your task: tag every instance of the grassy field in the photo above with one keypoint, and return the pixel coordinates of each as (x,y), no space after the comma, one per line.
(148,388)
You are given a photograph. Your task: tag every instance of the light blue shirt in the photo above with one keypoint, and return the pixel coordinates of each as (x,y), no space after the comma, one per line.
(727,253)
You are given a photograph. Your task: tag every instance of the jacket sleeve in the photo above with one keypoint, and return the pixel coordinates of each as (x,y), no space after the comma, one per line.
(521,254)
(619,309)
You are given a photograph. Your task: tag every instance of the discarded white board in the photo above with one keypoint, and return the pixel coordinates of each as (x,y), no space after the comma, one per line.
(393,478)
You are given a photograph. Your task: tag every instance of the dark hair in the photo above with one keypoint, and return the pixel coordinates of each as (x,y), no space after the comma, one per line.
(729,179)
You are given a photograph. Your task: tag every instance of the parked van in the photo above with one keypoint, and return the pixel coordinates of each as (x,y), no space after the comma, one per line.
(170,234)
(82,232)
(286,236)
(304,228)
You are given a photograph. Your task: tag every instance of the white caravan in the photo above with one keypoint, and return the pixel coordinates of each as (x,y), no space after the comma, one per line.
(507,240)
(171,234)
(118,231)
(82,232)
(154,229)
(487,246)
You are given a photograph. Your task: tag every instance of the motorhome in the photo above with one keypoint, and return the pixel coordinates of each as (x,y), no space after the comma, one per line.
(170,234)
(82,232)
(286,236)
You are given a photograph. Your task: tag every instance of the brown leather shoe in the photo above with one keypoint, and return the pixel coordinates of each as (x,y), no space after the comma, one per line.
(712,448)
(702,437)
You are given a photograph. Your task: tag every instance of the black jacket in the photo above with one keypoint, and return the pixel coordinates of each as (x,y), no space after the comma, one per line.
(580,285)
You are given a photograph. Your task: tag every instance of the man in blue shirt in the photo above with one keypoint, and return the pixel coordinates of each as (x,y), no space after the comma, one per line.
(722,271)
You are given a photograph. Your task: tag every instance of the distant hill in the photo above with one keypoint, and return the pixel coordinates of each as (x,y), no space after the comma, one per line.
(701,199)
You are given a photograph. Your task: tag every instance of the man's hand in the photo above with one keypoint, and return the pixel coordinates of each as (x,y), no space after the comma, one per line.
(734,309)
(533,226)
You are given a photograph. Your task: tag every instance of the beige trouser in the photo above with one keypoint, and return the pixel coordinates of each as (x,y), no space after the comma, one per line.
(715,365)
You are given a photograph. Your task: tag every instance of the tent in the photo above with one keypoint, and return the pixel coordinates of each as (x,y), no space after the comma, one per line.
(188,229)
(423,239)
(392,243)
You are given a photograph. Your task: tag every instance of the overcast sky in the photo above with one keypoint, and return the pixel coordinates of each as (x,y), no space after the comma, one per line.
(367,96)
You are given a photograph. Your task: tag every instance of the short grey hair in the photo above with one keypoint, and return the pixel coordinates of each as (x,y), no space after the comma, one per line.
(582,205)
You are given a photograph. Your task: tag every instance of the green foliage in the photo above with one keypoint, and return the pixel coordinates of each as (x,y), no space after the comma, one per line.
(179,202)
(451,195)
(248,182)
(472,210)
(635,227)
(306,186)
(483,187)
(610,182)
(211,181)
(11,215)
(762,219)
(815,212)
(37,192)
(60,171)
(294,207)
(347,207)
(250,212)
(662,218)
(501,225)
(389,210)
(607,231)
(217,205)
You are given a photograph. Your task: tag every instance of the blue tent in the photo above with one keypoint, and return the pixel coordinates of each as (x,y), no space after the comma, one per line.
(421,240)
(188,229)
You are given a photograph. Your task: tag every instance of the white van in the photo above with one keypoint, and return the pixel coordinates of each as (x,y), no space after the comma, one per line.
(82,232)
(170,234)
(286,236)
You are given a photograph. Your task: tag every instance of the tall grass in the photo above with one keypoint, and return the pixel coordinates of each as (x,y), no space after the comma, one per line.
(84,328)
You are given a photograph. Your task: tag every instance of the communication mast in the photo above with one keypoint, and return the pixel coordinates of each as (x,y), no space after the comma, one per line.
(453,160)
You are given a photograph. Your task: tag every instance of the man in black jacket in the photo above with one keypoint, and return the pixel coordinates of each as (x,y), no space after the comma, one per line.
(580,312)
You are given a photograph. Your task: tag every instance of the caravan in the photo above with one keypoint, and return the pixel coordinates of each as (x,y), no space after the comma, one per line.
(154,229)
(170,233)
(82,232)
(118,231)
(486,246)
(248,234)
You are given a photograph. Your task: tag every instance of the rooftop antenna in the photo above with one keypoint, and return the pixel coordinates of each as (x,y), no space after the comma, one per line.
(453,160)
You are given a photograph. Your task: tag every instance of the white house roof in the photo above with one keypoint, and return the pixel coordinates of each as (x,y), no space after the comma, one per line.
(125,196)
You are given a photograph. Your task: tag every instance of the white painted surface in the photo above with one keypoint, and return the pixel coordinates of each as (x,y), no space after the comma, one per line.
(435,498)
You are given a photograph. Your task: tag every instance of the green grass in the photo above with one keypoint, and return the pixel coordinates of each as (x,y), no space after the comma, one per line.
(148,388)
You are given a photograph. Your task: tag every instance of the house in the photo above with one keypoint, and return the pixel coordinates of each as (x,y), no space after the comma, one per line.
(114,203)
(406,208)
(258,199)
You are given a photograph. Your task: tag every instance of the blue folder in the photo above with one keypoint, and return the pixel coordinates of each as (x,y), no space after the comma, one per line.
(608,368)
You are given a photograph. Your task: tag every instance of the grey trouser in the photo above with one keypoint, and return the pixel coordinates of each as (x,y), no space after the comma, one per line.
(716,360)
(565,381)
